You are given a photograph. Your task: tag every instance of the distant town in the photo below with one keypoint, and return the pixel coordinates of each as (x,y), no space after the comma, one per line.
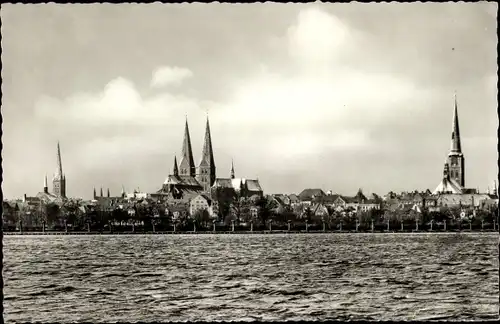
(194,199)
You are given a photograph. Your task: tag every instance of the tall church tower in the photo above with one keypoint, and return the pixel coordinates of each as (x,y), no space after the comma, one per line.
(206,168)
(456,160)
(59,180)
(232,169)
(187,167)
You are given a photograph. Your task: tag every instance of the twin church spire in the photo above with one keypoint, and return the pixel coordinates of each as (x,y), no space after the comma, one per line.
(205,173)
(187,166)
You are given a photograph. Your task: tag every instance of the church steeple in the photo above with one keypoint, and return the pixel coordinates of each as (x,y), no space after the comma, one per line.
(456,160)
(95,194)
(108,193)
(101,193)
(206,168)
(456,146)
(59,181)
(176,170)
(45,186)
(187,166)
(232,169)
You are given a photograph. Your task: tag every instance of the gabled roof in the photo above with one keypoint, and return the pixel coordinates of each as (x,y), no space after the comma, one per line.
(319,207)
(307,194)
(249,184)
(222,183)
(253,185)
(207,198)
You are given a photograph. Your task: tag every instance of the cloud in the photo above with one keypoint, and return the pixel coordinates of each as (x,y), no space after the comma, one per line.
(271,114)
(318,38)
(167,75)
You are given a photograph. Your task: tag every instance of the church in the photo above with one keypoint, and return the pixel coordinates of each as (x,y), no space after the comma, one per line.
(453,181)
(58,193)
(188,181)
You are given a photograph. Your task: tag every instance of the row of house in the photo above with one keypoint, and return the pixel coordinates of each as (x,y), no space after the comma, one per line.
(320,203)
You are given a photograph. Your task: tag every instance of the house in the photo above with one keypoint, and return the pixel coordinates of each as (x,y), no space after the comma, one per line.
(319,210)
(458,200)
(294,200)
(307,195)
(201,202)
(327,200)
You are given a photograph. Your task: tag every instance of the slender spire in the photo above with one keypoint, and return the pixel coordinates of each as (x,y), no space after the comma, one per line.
(123,191)
(456,146)
(108,193)
(207,154)
(45,186)
(95,194)
(187,162)
(101,193)
(59,172)
(232,169)
(176,170)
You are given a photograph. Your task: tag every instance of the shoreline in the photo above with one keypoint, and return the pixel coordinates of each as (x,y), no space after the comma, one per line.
(243,232)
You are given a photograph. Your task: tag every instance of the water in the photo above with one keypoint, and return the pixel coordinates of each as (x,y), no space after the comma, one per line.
(251,277)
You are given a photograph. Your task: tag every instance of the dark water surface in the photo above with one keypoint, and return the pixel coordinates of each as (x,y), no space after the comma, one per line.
(243,277)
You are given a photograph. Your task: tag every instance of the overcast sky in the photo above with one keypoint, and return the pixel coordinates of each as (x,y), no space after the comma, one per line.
(331,96)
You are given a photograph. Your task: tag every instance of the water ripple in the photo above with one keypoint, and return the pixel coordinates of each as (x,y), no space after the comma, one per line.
(251,277)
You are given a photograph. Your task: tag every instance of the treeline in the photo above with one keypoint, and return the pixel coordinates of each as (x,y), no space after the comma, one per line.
(244,215)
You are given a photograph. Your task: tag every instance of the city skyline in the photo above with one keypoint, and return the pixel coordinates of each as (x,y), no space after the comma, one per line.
(362,108)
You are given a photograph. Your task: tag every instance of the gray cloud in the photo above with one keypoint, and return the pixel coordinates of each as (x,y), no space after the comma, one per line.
(335,96)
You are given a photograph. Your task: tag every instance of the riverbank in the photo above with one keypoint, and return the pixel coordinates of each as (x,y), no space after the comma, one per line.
(235,232)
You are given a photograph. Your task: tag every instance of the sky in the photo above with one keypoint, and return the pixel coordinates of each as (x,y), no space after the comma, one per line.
(331,96)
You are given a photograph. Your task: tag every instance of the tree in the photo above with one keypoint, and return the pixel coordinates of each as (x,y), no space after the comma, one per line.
(201,218)
(264,209)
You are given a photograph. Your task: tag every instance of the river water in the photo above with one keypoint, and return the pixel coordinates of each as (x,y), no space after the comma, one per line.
(251,277)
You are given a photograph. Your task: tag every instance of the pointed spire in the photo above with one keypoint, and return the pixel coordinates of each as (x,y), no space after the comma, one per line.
(232,169)
(108,193)
(207,155)
(187,162)
(176,170)
(101,193)
(59,173)
(123,191)
(95,194)
(456,146)
(45,186)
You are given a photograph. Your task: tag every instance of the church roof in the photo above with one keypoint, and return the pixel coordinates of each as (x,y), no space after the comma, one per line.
(253,185)
(47,197)
(250,184)
(448,185)
(222,183)
(183,180)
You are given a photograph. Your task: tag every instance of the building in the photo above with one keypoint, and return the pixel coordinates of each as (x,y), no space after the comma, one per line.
(307,196)
(236,187)
(58,194)
(187,182)
(59,180)
(201,202)
(183,182)
(453,180)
